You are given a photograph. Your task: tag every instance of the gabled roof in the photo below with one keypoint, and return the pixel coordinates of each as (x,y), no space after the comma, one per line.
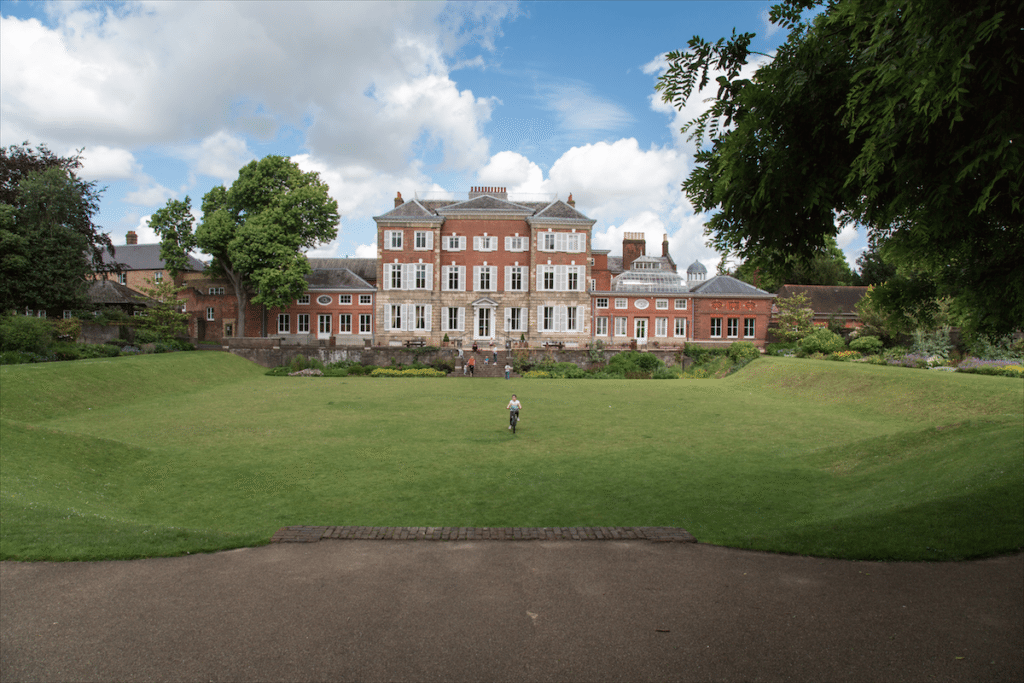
(108,292)
(561,210)
(410,209)
(145,257)
(726,284)
(336,278)
(827,299)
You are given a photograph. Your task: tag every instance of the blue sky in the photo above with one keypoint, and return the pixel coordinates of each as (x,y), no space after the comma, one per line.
(545,98)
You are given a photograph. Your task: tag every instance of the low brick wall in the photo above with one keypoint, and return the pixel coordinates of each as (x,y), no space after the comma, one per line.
(270,352)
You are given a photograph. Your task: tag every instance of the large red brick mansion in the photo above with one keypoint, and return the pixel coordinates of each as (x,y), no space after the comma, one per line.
(488,268)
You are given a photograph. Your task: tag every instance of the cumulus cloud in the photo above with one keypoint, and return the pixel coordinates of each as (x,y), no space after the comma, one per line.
(220,156)
(106,163)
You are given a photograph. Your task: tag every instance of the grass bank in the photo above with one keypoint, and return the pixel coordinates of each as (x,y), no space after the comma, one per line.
(162,455)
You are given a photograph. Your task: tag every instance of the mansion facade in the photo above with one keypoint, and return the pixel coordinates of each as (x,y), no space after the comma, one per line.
(490,269)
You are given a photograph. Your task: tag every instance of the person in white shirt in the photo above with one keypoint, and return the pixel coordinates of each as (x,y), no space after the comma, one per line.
(513,410)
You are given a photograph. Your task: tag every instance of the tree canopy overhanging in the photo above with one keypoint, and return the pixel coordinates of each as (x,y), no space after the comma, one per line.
(257,231)
(899,116)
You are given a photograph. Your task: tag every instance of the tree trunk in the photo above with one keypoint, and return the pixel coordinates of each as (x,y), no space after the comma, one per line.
(242,297)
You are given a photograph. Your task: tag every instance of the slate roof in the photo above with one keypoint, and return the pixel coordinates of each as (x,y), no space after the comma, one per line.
(726,284)
(697,267)
(428,208)
(561,210)
(144,257)
(826,299)
(364,268)
(336,278)
(108,292)
(654,281)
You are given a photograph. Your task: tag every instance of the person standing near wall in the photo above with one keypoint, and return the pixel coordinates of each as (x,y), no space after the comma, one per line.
(472,365)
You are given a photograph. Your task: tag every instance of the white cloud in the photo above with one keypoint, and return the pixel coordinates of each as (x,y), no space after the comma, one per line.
(366,251)
(366,81)
(105,163)
(514,172)
(149,194)
(220,156)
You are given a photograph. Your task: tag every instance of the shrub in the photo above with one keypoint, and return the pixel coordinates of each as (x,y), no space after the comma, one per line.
(701,355)
(934,344)
(445,365)
(867,345)
(634,361)
(308,372)
(1001,348)
(408,372)
(16,357)
(781,349)
(743,351)
(844,355)
(823,341)
(66,351)
(666,373)
(1006,368)
(22,333)
(536,374)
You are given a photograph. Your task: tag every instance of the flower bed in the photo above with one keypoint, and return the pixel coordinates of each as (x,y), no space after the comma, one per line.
(1005,368)
(411,372)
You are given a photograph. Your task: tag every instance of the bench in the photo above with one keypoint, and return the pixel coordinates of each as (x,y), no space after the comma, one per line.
(414,342)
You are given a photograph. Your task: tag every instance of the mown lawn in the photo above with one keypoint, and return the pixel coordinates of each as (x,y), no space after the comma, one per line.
(167,454)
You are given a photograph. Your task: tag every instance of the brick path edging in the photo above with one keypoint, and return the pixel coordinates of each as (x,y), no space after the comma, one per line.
(313,534)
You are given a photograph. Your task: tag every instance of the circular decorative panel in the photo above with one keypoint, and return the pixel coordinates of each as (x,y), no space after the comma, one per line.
(323,300)
(641,303)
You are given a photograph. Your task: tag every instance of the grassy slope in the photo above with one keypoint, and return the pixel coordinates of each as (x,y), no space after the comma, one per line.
(794,456)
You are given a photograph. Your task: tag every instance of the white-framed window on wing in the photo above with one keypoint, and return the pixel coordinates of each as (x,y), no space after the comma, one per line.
(122,278)
(748,327)
(661,327)
(733,327)
(570,242)
(365,299)
(302,300)
(345,323)
(210,314)
(515,278)
(485,243)
(559,278)
(601,326)
(680,304)
(421,314)
(302,323)
(365,323)
(423,240)
(515,319)
(395,317)
(217,290)
(453,278)
(393,240)
(620,326)
(680,327)
(408,275)
(485,278)
(517,243)
(602,302)
(621,303)
(661,304)
(453,243)
(716,327)
(454,319)
(345,299)
(324,324)
(284,323)
(555,318)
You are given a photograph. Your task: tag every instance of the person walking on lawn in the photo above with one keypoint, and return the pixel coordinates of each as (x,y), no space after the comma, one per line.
(472,365)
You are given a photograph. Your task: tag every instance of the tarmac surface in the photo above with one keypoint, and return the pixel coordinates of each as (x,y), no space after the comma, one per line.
(510,611)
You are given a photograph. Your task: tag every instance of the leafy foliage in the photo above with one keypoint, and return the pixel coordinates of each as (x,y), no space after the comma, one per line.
(166,318)
(257,231)
(899,116)
(25,334)
(48,242)
(867,345)
(795,317)
(822,340)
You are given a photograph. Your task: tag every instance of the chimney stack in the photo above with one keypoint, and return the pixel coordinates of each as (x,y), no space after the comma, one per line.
(664,245)
(499,192)
(570,201)
(634,245)
(398,200)
(131,238)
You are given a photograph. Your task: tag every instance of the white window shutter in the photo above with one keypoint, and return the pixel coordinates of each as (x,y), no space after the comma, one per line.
(476,244)
(563,318)
(540,278)
(430,240)
(508,277)
(476,277)
(540,317)
(561,278)
(430,276)
(582,245)
(580,312)
(444,278)
(387,276)
(462,278)
(508,244)
(430,317)
(462,319)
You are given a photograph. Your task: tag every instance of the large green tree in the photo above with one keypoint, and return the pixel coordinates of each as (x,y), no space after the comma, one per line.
(901,116)
(257,231)
(49,245)
(826,266)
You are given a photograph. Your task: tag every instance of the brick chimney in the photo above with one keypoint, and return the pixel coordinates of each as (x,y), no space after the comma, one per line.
(131,238)
(570,201)
(664,245)
(398,200)
(633,247)
(479,191)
